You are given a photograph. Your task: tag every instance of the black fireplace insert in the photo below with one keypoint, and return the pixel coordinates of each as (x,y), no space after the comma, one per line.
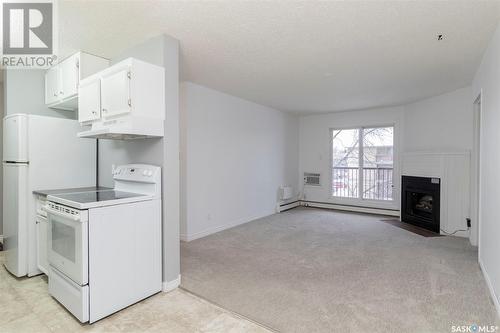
(420,202)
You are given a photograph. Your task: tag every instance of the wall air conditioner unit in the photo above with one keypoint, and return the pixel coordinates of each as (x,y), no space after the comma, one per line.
(312,179)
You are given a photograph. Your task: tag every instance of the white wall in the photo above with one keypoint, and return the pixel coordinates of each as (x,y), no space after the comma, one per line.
(442,123)
(439,124)
(235,155)
(163,51)
(487,83)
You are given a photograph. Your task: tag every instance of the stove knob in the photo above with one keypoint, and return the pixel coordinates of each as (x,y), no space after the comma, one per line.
(145,173)
(150,173)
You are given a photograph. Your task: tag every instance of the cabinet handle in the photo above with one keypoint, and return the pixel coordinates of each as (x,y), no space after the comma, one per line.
(104,110)
(94,112)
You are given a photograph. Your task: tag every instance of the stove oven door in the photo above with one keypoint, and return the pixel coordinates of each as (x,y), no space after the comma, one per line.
(68,243)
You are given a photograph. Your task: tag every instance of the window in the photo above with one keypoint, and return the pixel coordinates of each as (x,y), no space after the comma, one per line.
(362,163)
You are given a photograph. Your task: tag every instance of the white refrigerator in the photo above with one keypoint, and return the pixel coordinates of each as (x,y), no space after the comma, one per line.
(39,153)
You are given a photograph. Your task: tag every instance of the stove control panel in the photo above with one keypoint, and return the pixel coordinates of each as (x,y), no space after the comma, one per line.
(138,178)
(142,173)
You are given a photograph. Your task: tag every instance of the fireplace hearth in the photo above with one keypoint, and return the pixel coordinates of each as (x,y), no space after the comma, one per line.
(420,202)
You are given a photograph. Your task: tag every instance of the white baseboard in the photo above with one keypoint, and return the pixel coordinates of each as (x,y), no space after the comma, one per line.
(490,286)
(351,208)
(213,230)
(168,286)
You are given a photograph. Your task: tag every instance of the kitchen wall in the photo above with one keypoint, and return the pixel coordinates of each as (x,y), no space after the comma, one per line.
(235,154)
(487,84)
(438,124)
(163,51)
(25,93)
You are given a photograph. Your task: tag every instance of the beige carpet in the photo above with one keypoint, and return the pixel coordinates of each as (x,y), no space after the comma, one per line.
(311,270)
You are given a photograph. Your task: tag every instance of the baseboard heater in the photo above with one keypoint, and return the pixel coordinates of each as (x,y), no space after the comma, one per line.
(328,205)
(289,205)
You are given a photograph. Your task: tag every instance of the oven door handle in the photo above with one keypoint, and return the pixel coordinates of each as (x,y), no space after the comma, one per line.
(57,213)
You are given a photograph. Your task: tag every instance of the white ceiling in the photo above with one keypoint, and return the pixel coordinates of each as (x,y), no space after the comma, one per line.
(301,56)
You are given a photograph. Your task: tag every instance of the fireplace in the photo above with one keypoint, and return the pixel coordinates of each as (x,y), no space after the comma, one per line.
(420,202)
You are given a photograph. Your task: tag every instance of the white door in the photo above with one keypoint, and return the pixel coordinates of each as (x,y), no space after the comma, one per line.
(15,230)
(69,77)
(68,244)
(41,240)
(89,101)
(52,85)
(115,90)
(15,138)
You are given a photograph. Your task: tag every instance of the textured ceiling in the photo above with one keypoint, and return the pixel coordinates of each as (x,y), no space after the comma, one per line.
(300,56)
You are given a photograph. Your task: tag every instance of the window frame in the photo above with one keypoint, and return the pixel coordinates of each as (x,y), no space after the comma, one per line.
(360,201)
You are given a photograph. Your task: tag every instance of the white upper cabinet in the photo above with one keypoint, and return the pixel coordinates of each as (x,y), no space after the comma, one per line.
(116,93)
(62,80)
(52,85)
(69,76)
(89,103)
(131,96)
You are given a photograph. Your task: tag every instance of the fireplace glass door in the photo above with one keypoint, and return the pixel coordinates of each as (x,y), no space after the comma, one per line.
(419,204)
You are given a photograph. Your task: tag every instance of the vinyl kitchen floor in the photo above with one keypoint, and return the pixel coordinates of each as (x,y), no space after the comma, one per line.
(25,306)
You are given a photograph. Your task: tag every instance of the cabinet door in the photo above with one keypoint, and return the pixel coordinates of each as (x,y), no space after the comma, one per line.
(52,85)
(89,101)
(69,77)
(115,90)
(41,233)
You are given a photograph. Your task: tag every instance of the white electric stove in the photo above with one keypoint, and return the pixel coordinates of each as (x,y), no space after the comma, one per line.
(104,247)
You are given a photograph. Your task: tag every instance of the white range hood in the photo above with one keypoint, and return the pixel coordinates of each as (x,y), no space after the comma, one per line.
(108,133)
(128,128)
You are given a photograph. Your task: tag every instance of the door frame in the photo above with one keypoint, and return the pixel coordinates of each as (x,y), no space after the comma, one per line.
(475,178)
